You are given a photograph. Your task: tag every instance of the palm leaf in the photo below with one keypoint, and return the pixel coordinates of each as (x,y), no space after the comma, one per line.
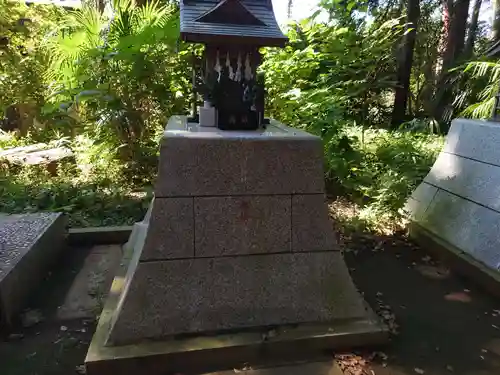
(480,110)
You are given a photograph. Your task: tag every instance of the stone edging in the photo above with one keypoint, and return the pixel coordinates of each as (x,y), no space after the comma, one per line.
(98,235)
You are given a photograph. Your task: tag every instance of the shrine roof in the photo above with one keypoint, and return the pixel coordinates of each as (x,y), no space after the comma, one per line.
(230,21)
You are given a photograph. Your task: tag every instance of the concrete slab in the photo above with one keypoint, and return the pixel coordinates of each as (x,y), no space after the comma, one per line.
(195,163)
(459,201)
(171,229)
(474,139)
(473,180)
(466,225)
(418,203)
(90,288)
(212,294)
(312,229)
(29,244)
(242,225)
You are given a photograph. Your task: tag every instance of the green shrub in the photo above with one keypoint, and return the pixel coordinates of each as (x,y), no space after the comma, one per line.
(91,189)
(378,169)
(337,82)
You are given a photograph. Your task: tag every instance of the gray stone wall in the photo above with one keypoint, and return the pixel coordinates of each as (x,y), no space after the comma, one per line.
(459,200)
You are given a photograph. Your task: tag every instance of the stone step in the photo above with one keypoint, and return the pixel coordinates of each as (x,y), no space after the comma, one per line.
(29,244)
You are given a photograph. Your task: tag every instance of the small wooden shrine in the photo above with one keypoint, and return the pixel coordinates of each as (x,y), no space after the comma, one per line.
(232,32)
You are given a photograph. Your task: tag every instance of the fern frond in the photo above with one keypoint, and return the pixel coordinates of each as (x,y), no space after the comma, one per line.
(483,68)
(481,110)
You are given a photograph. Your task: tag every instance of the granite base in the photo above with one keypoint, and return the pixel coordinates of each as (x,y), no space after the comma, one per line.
(199,354)
(236,260)
(229,293)
(457,203)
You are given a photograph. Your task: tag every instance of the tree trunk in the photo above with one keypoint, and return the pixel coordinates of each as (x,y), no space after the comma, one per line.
(405,64)
(290,9)
(456,37)
(495,27)
(454,50)
(471,33)
(446,16)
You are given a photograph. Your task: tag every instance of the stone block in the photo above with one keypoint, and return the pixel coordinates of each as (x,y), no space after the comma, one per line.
(137,238)
(467,178)
(453,137)
(475,139)
(170,229)
(99,235)
(457,205)
(29,244)
(279,160)
(420,200)
(312,229)
(210,294)
(466,225)
(424,193)
(242,225)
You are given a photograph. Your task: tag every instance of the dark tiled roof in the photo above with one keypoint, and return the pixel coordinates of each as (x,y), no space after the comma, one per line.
(192,30)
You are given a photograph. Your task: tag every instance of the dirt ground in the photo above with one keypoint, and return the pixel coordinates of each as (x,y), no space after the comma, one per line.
(57,345)
(442,323)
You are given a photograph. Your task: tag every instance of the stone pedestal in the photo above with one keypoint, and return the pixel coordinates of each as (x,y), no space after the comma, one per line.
(457,206)
(237,238)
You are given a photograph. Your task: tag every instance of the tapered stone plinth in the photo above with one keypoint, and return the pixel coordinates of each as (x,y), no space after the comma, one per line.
(238,239)
(455,211)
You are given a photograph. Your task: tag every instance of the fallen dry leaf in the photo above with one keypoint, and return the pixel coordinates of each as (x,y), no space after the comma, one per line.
(450,368)
(433,272)
(352,364)
(244,369)
(458,297)
(379,246)
(419,370)
(387,315)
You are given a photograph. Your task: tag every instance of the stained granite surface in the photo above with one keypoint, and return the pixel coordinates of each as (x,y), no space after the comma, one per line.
(17,234)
